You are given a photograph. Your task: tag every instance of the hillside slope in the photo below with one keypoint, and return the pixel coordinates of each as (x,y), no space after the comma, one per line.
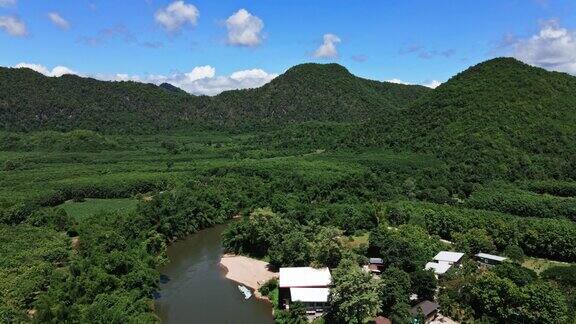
(30,101)
(316,92)
(499,117)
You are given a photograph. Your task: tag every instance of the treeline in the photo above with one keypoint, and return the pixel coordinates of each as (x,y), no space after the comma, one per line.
(523,203)
(555,188)
(117,188)
(49,141)
(548,238)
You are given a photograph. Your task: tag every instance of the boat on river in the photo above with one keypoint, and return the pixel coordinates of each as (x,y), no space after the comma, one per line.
(247,293)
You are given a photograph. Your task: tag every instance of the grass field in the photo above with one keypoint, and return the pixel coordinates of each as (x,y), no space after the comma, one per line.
(90,207)
(540,265)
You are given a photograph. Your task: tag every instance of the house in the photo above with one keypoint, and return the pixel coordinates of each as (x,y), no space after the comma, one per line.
(490,259)
(307,285)
(375,265)
(427,308)
(439,268)
(449,257)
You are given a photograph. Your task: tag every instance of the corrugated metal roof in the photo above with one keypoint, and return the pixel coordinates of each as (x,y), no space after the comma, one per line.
(448,256)
(310,295)
(426,307)
(376,260)
(491,257)
(438,267)
(305,277)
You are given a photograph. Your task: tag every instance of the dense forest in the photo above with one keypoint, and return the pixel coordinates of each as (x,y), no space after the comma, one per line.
(324,168)
(30,101)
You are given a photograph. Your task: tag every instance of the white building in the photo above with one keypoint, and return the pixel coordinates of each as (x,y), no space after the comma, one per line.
(449,257)
(307,285)
(490,258)
(439,268)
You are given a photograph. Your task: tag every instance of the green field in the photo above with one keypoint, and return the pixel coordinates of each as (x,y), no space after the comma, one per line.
(90,207)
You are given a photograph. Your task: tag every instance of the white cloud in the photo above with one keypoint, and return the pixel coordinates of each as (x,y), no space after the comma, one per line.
(397,81)
(244,29)
(328,47)
(203,80)
(249,74)
(553,48)
(57,20)
(6,3)
(55,72)
(200,72)
(13,26)
(432,84)
(176,15)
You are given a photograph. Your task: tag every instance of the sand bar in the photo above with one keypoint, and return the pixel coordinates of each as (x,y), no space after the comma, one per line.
(249,272)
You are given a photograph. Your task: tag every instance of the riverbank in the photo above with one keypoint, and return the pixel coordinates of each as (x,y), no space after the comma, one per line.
(249,272)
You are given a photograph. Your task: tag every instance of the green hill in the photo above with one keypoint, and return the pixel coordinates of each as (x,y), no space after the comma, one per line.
(501,117)
(30,101)
(316,92)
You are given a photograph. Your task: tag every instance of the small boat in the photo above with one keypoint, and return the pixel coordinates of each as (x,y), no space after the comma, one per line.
(247,293)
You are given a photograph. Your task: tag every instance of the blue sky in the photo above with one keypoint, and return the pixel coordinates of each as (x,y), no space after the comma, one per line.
(406,41)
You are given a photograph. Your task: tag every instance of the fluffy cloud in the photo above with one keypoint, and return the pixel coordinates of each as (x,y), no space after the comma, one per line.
(204,81)
(176,15)
(430,84)
(200,72)
(328,47)
(249,74)
(244,29)
(201,80)
(6,3)
(397,81)
(13,26)
(553,48)
(57,20)
(55,72)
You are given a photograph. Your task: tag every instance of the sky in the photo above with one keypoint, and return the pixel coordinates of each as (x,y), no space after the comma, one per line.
(208,46)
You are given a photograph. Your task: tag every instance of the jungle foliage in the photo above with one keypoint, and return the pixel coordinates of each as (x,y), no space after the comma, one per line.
(324,168)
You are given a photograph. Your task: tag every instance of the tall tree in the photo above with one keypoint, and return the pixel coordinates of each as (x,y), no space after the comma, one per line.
(354,294)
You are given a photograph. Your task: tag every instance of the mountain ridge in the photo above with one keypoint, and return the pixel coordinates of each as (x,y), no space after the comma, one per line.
(30,101)
(500,113)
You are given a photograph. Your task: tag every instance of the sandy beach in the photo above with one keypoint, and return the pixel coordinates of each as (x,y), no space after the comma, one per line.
(249,272)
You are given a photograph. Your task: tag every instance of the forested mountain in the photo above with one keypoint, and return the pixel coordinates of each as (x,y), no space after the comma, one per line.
(30,101)
(499,117)
(171,88)
(309,92)
(316,92)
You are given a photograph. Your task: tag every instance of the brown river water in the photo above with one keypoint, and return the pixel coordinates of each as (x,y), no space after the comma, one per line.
(194,289)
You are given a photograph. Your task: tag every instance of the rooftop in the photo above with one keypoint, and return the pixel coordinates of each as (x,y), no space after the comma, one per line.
(427,307)
(438,267)
(376,261)
(304,277)
(491,257)
(310,295)
(448,256)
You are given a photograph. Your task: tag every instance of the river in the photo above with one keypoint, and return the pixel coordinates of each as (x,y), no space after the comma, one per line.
(196,290)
